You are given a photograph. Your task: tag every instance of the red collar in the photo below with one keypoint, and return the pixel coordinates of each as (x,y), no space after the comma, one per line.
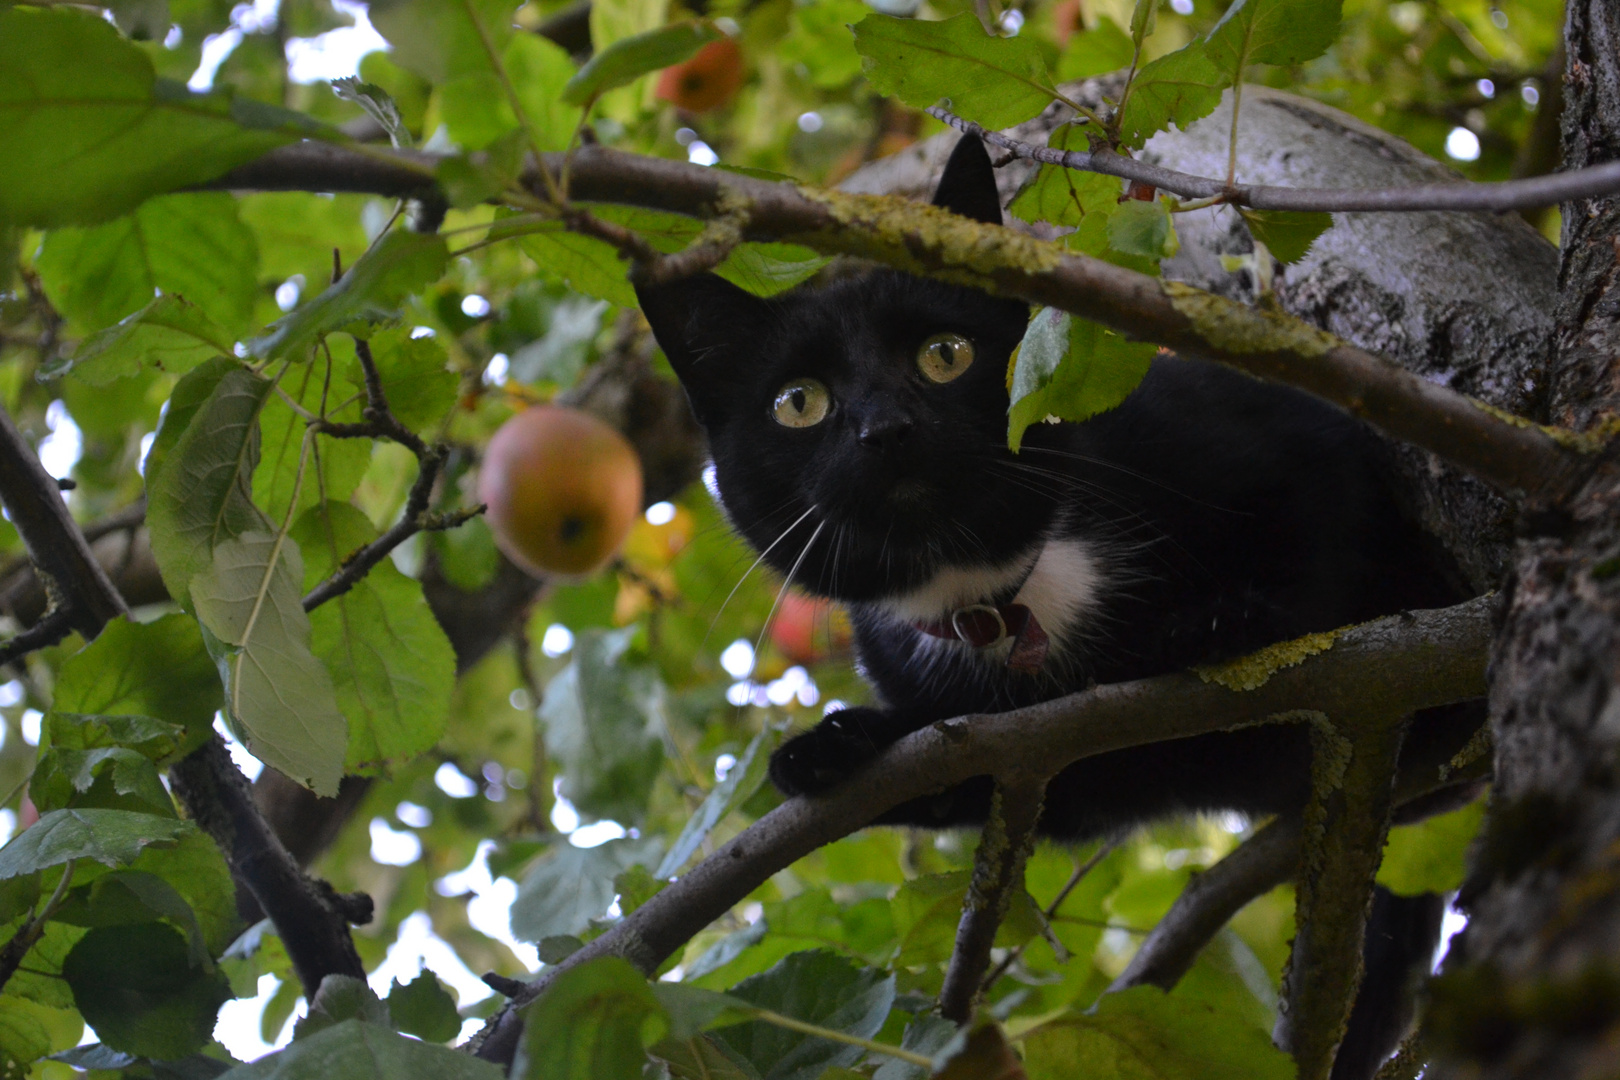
(984,625)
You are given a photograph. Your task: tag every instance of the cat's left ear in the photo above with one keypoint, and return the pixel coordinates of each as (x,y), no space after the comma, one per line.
(699,322)
(968,184)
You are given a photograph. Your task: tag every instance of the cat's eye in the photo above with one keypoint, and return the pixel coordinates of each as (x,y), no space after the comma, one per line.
(945,356)
(801,403)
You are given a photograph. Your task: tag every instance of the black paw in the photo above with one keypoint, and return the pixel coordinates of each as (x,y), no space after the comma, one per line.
(828,753)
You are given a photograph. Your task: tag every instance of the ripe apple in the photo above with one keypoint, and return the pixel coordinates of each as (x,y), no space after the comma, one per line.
(808,629)
(707,81)
(563,490)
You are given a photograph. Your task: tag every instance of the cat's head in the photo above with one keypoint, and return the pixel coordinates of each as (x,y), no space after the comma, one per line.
(872,409)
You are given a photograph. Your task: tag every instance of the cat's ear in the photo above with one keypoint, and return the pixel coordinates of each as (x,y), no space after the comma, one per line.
(968,184)
(699,322)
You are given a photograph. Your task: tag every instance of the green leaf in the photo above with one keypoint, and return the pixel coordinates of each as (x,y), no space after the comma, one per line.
(297,234)
(378,104)
(340,998)
(692,1009)
(199,476)
(393,668)
(927,910)
(767,269)
(1272,32)
(1177,88)
(603,714)
(998,82)
(170,334)
(111,837)
(89,132)
(627,59)
(743,779)
(192,246)
(1287,234)
(64,777)
(415,373)
(130,897)
(703,1057)
(279,698)
(436,39)
(23,1037)
(1432,855)
(568,888)
(1101,49)
(583,263)
(1071,368)
(422,1007)
(478,113)
(1066,196)
(1143,228)
(1143,1034)
(399,264)
(355,1050)
(332,467)
(138,670)
(592,1023)
(195,869)
(1143,18)
(819,41)
(818,988)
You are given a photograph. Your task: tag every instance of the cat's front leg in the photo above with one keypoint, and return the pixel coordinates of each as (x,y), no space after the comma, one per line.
(834,749)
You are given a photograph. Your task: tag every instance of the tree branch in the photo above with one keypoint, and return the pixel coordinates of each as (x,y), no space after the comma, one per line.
(998,873)
(1264,861)
(1510,454)
(58,549)
(310,917)
(1355,757)
(1423,659)
(1501,196)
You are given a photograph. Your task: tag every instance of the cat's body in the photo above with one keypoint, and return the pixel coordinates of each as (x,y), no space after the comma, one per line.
(1208,515)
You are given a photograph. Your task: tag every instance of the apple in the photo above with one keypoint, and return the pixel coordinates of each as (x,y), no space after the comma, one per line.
(808,629)
(707,81)
(563,490)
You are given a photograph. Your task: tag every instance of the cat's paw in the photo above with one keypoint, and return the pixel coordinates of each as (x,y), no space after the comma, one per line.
(824,756)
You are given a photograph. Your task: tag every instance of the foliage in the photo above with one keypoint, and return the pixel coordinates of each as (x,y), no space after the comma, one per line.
(188,338)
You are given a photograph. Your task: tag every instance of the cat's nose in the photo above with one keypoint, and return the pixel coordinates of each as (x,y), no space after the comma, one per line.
(885,434)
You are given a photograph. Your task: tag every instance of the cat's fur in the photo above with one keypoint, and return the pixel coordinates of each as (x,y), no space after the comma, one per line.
(1206,516)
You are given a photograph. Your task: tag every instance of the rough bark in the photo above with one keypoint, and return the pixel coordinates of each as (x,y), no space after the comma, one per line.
(1533,986)
(1465,300)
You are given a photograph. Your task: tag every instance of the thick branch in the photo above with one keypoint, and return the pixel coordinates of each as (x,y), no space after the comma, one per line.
(998,873)
(1501,196)
(1510,455)
(1422,660)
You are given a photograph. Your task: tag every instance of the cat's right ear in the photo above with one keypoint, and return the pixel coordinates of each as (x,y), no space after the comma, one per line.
(703,324)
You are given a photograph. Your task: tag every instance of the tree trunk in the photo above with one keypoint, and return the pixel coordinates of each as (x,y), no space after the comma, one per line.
(1532,987)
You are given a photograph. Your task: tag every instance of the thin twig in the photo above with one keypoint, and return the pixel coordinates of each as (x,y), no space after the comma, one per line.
(52,627)
(1504,195)
(998,873)
(1079,875)
(32,929)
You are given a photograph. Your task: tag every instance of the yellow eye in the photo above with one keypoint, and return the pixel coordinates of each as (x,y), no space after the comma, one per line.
(945,356)
(801,403)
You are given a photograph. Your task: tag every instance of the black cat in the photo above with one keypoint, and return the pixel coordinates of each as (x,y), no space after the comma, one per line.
(858,432)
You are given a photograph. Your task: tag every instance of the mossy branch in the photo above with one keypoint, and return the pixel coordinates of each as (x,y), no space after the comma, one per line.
(1422,659)
(1513,457)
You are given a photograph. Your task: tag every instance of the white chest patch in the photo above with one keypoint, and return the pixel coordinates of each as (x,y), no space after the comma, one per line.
(1065,583)
(1064,587)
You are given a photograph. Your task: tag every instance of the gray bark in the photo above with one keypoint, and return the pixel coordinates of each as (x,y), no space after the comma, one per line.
(1530,989)
(1463,299)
